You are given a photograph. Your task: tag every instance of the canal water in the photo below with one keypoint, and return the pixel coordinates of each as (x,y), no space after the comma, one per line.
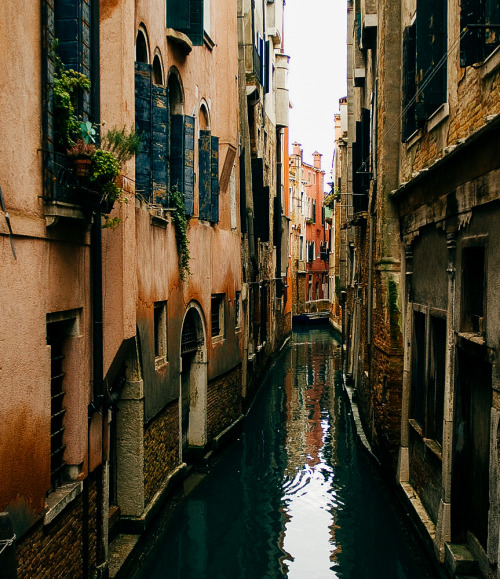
(295,496)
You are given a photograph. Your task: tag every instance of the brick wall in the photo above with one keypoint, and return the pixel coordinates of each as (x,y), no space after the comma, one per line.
(161,449)
(224,402)
(56,550)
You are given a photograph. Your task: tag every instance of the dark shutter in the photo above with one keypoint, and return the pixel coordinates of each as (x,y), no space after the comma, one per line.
(205,178)
(143,126)
(196,28)
(431,47)
(214,177)
(491,16)
(177,152)
(260,200)
(178,15)
(159,144)
(189,164)
(409,85)
(418,378)
(439,328)
(243,194)
(267,66)
(72,30)
(472,42)
(187,17)
(313,216)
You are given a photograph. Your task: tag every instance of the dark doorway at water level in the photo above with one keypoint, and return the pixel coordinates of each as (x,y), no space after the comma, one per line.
(295,496)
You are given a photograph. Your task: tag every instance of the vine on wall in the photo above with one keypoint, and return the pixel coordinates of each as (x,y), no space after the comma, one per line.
(180,223)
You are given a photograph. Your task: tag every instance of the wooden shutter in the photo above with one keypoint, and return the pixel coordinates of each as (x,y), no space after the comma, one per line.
(177,152)
(189,164)
(204,176)
(143,125)
(186,16)
(418,374)
(243,194)
(159,144)
(439,362)
(260,200)
(409,125)
(214,177)
(471,43)
(431,46)
(491,35)
(178,15)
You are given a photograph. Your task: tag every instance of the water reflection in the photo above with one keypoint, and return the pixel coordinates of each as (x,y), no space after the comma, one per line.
(293,497)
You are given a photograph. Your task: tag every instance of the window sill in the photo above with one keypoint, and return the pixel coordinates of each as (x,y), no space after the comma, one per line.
(158,217)
(54,210)
(434,447)
(217,339)
(209,43)
(473,337)
(442,113)
(416,426)
(58,500)
(180,39)
(491,64)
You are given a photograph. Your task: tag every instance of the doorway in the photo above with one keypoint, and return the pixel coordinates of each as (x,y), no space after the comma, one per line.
(193,398)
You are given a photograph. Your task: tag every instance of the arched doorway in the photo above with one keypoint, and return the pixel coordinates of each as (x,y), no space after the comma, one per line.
(193,399)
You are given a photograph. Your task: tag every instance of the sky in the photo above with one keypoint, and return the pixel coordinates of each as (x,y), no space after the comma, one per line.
(315,40)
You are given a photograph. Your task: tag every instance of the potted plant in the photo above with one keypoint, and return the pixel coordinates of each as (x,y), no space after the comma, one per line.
(81,154)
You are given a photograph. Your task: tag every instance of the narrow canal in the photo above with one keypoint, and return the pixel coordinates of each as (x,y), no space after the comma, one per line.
(295,496)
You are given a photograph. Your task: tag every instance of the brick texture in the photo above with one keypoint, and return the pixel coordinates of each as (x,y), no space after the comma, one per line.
(56,551)
(161,449)
(224,402)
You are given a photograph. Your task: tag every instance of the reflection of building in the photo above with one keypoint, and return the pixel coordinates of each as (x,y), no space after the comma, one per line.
(421,259)
(308,240)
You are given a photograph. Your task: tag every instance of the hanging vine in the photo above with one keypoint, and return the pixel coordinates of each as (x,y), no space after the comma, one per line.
(180,223)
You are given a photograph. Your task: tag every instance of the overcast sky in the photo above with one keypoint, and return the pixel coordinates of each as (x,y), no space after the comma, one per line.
(315,40)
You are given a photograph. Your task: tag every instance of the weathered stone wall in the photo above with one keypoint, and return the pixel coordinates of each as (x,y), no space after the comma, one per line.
(425,474)
(161,449)
(56,550)
(224,402)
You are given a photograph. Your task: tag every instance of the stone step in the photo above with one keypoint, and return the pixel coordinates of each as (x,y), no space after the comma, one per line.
(460,562)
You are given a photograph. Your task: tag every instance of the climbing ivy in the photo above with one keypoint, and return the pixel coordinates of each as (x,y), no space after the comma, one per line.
(180,223)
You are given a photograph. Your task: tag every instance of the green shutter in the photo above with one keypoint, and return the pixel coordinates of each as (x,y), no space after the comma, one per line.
(214,170)
(204,176)
(471,44)
(189,164)
(143,126)
(186,16)
(177,152)
(178,15)
(159,144)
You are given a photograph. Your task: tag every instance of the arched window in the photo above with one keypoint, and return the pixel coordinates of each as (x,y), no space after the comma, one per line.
(208,168)
(141,47)
(157,70)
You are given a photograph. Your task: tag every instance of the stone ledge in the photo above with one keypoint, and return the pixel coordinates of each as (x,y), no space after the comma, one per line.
(419,509)
(180,39)
(58,500)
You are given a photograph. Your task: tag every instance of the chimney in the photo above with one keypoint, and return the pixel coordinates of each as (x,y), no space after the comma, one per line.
(296,149)
(317,160)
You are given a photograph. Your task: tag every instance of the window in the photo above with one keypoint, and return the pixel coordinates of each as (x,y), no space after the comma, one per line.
(301,247)
(217,315)
(208,163)
(61,327)
(428,371)
(473,292)
(478,41)
(237,310)
(160,333)
(187,16)
(409,81)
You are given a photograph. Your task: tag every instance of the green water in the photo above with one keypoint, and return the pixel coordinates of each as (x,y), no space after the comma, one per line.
(294,496)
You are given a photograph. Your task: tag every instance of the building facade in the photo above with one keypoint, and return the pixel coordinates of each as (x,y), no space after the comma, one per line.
(132,283)
(420,309)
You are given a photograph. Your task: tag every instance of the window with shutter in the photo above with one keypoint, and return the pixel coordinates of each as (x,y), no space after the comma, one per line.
(189,164)
(479,39)
(143,126)
(186,16)
(437,378)
(409,84)
(205,177)
(159,144)
(431,49)
(177,151)
(418,381)
(214,178)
